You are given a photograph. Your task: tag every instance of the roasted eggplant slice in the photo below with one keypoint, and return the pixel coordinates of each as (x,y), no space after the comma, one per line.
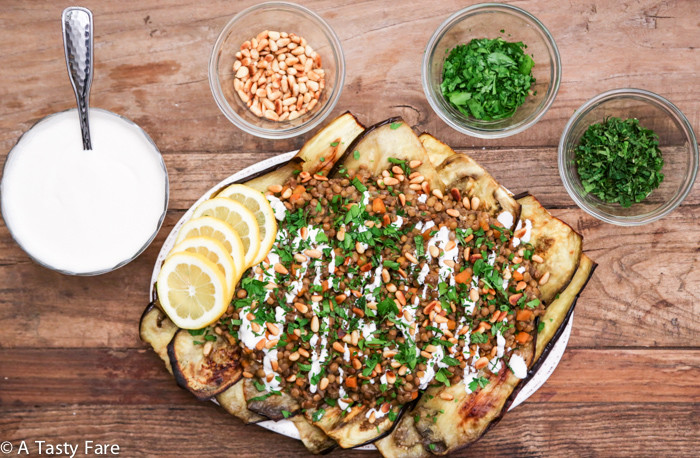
(313,438)
(271,405)
(556,242)
(233,402)
(392,138)
(204,375)
(559,310)
(353,429)
(462,172)
(156,329)
(437,150)
(317,155)
(325,148)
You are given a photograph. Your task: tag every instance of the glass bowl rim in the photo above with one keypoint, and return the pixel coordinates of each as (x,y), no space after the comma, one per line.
(646,97)
(278,134)
(140,250)
(488,133)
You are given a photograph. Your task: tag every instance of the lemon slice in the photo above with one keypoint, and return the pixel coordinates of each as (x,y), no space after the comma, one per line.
(192,290)
(259,206)
(214,251)
(209,226)
(239,218)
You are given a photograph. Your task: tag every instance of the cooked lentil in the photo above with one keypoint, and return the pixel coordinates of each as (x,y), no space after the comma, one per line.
(375,290)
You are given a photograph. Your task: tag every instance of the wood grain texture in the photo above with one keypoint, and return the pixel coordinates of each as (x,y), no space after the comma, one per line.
(533,429)
(72,366)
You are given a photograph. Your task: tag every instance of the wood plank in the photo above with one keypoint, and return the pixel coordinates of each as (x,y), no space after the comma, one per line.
(151,65)
(644,292)
(567,429)
(137,376)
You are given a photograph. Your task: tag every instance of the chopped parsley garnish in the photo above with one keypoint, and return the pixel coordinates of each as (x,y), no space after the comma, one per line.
(478,382)
(334,144)
(619,161)
(286,414)
(318,415)
(395,125)
(356,155)
(358,185)
(487,78)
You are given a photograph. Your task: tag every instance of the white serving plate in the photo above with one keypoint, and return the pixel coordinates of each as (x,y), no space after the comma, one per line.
(286,427)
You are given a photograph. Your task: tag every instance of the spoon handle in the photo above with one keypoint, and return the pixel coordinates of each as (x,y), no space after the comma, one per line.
(77,43)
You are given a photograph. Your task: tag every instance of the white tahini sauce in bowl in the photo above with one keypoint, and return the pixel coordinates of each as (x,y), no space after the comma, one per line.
(84,212)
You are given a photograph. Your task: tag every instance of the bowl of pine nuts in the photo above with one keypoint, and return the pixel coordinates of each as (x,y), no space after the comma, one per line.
(276,70)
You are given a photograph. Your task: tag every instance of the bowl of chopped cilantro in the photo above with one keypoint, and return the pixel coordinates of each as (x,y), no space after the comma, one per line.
(491,70)
(628,157)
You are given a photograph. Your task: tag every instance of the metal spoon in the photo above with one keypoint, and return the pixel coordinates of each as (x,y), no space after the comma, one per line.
(77,44)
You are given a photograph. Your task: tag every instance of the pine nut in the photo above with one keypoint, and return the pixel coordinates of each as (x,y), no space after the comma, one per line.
(466,203)
(303,352)
(314,324)
(338,347)
(207,348)
(537,258)
(265,71)
(316,254)
(451,244)
(294,356)
(415,163)
(475,203)
(474,295)
(272,327)
(411,258)
(452,212)
(280,269)
(301,307)
(544,279)
(323,384)
(434,251)
(446,396)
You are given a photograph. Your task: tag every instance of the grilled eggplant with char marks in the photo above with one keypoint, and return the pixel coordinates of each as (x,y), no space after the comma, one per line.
(272,405)
(204,368)
(461,172)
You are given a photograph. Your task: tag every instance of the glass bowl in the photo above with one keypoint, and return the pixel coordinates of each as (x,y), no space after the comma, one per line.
(677,142)
(282,17)
(493,20)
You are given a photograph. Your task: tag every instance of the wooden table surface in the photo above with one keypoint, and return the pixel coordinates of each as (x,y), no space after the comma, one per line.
(72,367)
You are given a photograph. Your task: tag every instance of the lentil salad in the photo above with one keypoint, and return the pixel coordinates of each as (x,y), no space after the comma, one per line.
(375,290)
(451,412)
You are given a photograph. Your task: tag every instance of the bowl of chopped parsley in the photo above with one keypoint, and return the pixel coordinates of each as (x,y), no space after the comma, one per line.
(491,70)
(628,157)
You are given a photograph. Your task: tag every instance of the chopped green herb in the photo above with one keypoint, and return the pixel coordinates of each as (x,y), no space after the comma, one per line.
(478,382)
(395,125)
(619,161)
(334,144)
(487,78)
(358,185)
(318,415)
(356,155)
